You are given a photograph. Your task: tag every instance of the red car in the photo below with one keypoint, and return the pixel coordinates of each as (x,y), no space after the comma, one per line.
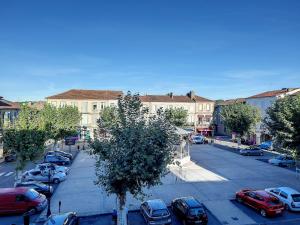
(262,201)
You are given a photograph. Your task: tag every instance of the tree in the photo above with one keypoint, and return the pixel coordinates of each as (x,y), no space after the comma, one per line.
(135,155)
(283,123)
(240,118)
(26,138)
(176,116)
(108,117)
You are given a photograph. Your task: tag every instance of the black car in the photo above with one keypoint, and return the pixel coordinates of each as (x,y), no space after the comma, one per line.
(39,187)
(57,159)
(190,210)
(61,153)
(10,157)
(155,212)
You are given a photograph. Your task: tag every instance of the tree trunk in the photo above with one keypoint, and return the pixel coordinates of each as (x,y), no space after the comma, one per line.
(121,209)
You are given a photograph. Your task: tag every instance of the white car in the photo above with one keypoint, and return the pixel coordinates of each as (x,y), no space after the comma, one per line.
(45,167)
(289,196)
(36,175)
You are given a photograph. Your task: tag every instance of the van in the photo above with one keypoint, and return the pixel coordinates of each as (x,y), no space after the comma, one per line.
(20,200)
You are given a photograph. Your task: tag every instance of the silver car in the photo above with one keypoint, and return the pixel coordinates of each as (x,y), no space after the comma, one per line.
(37,175)
(45,167)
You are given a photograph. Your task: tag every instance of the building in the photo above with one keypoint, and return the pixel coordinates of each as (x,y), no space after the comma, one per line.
(263,101)
(89,103)
(219,126)
(200,110)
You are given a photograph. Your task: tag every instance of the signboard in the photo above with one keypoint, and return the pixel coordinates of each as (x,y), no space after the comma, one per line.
(70,140)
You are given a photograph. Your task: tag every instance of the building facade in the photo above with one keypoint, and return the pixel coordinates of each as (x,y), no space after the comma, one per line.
(263,101)
(91,102)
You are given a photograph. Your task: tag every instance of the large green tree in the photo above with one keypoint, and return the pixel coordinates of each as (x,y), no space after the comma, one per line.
(240,118)
(135,155)
(176,116)
(283,123)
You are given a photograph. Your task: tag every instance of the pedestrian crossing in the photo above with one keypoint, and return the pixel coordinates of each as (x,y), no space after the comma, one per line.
(6,174)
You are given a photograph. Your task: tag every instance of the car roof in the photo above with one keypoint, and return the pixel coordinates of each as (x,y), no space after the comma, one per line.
(17,190)
(288,190)
(58,219)
(156,204)
(191,202)
(264,194)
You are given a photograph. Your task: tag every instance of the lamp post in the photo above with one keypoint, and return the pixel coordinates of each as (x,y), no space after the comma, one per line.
(48,196)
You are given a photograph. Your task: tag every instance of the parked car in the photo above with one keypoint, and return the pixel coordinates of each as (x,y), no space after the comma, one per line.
(51,166)
(10,157)
(60,153)
(198,139)
(37,186)
(252,151)
(282,160)
(266,145)
(262,201)
(155,212)
(289,196)
(57,159)
(20,200)
(69,218)
(189,210)
(36,175)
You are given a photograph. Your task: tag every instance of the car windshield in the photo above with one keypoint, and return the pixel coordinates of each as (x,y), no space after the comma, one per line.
(296,197)
(32,194)
(196,211)
(160,212)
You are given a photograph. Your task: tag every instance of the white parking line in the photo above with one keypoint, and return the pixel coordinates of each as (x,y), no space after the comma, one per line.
(8,174)
(2,174)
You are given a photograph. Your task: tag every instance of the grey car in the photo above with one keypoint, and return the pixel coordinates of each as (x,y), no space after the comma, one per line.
(155,212)
(252,151)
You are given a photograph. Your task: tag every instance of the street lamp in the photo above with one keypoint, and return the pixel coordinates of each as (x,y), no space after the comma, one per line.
(48,196)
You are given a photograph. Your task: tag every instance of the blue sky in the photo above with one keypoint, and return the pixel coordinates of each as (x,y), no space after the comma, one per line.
(221,49)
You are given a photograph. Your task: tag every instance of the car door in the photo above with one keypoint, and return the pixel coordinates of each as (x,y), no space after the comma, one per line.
(181,209)
(20,204)
(283,197)
(249,199)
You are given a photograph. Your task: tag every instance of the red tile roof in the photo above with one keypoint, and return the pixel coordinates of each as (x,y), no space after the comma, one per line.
(4,104)
(273,93)
(175,98)
(87,94)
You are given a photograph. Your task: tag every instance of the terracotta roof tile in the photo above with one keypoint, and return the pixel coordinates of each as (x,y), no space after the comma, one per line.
(87,94)
(273,93)
(175,98)
(4,104)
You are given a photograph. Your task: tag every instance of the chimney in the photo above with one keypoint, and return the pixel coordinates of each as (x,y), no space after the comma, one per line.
(191,95)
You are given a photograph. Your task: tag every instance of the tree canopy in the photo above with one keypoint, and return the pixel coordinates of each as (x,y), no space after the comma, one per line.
(176,116)
(283,123)
(137,152)
(240,118)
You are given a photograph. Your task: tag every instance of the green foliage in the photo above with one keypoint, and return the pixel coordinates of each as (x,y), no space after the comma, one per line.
(28,144)
(29,118)
(240,118)
(108,117)
(136,153)
(283,122)
(176,116)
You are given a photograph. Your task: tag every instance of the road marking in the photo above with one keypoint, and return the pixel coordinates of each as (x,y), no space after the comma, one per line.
(2,174)
(8,174)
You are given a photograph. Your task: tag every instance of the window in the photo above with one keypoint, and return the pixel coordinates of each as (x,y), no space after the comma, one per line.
(84,119)
(94,106)
(283,194)
(84,107)
(63,103)
(102,105)
(200,107)
(207,107)
(207,119)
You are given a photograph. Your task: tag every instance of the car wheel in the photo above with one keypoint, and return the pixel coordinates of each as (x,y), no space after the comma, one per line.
(263,213)
(56,181)
(239,199)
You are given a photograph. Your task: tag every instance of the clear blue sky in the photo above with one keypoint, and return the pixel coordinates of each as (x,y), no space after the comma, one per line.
(220,49)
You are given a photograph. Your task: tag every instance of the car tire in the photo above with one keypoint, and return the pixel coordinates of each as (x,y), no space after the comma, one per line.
(263,213)
(56,181)
(239,199)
